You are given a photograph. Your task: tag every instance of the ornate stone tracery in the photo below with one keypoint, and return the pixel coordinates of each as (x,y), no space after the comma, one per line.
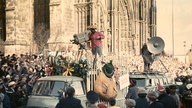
(126,24)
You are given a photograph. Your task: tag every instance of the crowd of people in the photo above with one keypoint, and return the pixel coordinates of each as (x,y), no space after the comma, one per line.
(173,96)
(17,77)
(169,63)
(18,74)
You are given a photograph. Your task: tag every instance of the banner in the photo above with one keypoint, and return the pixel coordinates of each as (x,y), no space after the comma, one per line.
(124,81)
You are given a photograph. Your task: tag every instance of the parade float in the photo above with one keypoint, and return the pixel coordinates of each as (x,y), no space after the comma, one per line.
(100,79)
(75,68)
(109,79)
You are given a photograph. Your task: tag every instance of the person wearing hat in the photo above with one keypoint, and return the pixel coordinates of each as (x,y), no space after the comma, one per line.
(142,102)
(133,90)
(11,93)
(112,102)
(186,97)
(3,69)
(152,98)
(92,98)
(165,99)
(130,103)
(69,101)
(183,87)
(2,95)
(8,78)
(6,100)
(102,105)
(96,43)
(173,93)
(189,86)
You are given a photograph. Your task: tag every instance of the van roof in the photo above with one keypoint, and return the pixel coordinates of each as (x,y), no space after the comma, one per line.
(61,78)
(147,75)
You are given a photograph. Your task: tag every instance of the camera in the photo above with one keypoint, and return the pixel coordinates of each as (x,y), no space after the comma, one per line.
(81,38)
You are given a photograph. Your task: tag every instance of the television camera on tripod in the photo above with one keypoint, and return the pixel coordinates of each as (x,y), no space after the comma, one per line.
(81,39)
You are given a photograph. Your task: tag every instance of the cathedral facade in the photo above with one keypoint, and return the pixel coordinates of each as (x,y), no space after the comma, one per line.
(35,25)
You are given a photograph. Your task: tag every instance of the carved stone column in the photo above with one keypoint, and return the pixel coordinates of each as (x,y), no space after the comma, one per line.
(61,24)
(17,26)
(55,23)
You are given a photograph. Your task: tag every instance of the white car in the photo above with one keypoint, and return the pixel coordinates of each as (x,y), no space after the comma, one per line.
(47,91)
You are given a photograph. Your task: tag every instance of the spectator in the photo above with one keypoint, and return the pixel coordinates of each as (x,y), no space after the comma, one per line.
(187,96)
(168,90)
(102,105)
(92,99)
(141,102)
(165,99)
(153,103)
(130,103)
(70,101)
(112,102)
(1,95)
(11,94)
(30,84)
(20,95)
(3,71)
(133,90)
(174,94)
(177,79)
(6,100)
(182,87)
(7,80)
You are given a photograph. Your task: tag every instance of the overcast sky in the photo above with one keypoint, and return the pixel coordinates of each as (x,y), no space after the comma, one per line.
(182,15)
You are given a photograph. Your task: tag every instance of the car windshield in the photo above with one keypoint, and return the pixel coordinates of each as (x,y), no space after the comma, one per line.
(52,88)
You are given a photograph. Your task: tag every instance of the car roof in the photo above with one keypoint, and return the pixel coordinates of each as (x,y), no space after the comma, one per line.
(60,78)
(147,75)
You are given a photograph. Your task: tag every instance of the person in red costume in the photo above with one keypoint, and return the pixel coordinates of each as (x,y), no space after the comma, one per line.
(96,43)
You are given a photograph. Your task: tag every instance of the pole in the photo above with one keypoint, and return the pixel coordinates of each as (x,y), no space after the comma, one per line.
(164,66)
(173,29)
(184,42)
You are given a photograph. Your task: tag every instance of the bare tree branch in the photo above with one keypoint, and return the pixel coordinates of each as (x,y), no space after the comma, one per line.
(41,36)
